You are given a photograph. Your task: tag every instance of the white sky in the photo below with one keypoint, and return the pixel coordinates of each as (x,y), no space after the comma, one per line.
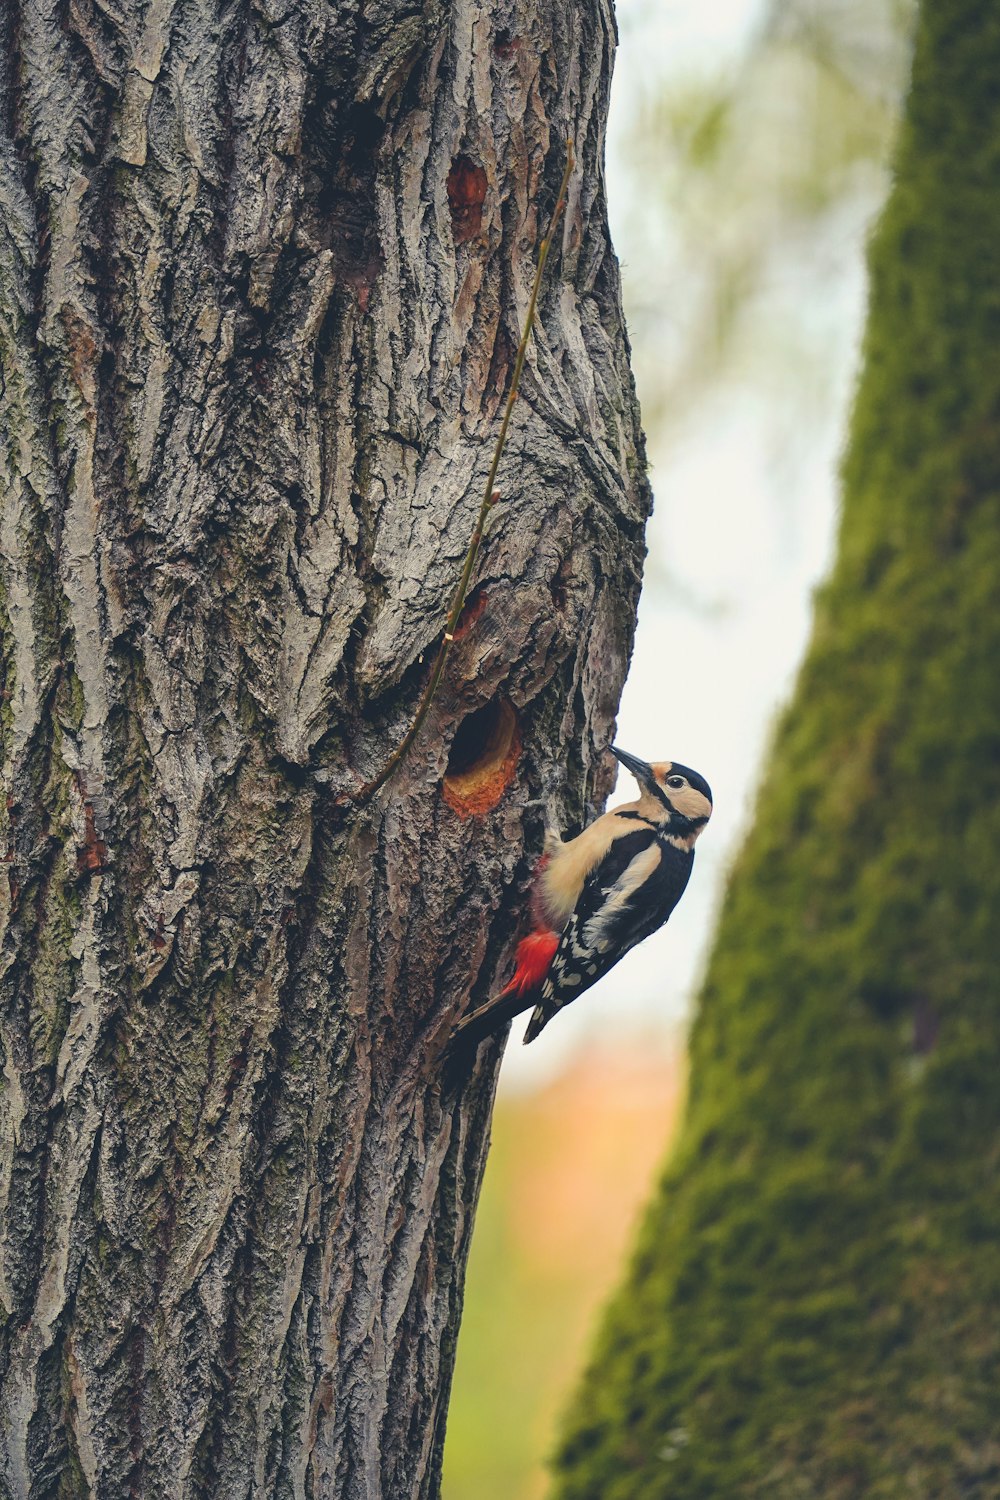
(734,557)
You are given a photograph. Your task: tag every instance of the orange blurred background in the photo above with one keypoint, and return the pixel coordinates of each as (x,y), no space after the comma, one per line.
(569,1170)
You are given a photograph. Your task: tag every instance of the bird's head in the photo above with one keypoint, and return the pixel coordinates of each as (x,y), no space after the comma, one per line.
(672,794)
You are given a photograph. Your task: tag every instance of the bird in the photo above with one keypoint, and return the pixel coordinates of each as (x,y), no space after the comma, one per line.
(594,897)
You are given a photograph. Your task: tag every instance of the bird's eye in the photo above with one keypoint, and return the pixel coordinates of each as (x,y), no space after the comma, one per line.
(676,782)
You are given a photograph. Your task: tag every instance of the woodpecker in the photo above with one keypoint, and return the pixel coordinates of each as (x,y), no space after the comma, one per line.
(597,895)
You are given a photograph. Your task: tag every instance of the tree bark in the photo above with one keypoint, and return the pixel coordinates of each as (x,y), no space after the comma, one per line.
(262,268)
(813,1311)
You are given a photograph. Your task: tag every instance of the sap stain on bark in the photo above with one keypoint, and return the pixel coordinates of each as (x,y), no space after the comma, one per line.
(506,45)
(94,851)
(466,196)
(475,606)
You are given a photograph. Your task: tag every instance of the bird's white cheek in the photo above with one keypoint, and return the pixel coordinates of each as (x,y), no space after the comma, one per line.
(691,804)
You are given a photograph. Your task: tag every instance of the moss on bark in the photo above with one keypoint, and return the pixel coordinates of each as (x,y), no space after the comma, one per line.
(814,1306)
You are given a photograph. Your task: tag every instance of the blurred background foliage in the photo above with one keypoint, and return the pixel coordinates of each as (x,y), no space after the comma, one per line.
(748,152)
(746,181)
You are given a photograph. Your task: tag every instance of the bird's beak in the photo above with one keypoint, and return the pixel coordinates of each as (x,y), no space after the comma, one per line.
(641,769)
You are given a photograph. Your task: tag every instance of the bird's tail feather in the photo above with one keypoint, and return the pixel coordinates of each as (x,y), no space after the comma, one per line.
(472,1029)
(534,956)
(539,1017)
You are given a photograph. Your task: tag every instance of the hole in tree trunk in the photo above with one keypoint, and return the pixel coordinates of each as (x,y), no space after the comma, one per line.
(483,759)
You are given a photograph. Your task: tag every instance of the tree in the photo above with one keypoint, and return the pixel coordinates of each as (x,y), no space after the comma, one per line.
(261,274)
(812,1307)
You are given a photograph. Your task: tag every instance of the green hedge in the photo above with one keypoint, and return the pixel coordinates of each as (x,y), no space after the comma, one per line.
(814,1306)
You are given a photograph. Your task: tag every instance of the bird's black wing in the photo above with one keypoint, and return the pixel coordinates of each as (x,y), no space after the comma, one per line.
(629,895)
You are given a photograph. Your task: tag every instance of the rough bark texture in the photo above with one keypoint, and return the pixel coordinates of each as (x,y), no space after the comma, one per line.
(813,1312)
(261,271)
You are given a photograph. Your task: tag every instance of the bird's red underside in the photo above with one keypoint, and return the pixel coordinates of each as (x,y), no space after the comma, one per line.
(534,955)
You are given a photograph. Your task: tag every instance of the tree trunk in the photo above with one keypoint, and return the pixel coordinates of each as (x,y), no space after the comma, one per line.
(262,268)
(814,1308)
